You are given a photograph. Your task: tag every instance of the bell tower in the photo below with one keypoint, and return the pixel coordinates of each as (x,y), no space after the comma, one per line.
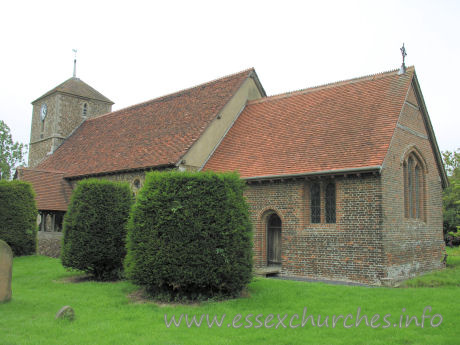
(59,112)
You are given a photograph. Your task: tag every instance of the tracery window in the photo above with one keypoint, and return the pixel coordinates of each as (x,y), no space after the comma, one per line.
(414,187)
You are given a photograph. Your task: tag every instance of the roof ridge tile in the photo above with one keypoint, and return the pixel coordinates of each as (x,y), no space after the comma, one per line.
(41,170)
(344,127)
(330,85)
(173,94)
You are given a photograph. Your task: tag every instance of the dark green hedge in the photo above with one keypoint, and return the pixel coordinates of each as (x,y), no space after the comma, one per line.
(18,217)
(94,229)
(189,236)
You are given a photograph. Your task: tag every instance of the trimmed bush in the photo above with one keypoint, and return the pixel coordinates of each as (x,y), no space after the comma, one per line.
(94,229)
(18,217)
(189,236)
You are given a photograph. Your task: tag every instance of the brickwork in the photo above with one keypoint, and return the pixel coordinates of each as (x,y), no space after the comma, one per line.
(411,116)
(412,246)
(350,250)
(372,240)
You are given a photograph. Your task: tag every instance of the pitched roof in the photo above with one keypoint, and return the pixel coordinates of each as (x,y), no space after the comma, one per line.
(52,190)
(155,133)
(75,86)
(344,125)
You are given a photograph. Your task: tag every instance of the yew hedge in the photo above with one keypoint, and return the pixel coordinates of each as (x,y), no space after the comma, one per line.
(94,230)
(18,217)
(190,236)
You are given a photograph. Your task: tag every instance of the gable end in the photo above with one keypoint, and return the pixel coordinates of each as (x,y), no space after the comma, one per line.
(432,138)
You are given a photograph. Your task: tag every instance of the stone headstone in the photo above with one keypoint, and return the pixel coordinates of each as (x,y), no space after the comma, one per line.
(66,312)
(6,270)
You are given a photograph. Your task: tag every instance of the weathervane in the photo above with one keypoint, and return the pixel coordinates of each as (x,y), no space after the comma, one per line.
(402,70)
(74,63)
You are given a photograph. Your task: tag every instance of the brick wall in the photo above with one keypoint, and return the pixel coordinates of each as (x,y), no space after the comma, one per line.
(412,246)
(351,249)
(373,240)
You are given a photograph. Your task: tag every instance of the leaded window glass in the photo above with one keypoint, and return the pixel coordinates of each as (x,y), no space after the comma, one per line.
(410,172)
(330,203)
(315,203)
(414,180)
(417,191)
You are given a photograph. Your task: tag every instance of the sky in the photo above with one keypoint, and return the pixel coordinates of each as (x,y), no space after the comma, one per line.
(134,51)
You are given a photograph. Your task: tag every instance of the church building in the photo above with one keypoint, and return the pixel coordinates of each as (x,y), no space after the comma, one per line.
(344,181)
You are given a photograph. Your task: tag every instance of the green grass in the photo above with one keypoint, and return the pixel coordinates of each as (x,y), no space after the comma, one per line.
(105,315)
(448,277)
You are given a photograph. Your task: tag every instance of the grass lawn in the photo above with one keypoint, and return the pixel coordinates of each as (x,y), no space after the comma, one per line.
(105,315)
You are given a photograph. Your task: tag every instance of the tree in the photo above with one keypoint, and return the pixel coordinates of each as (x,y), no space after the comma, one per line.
(12,154)
(451,195)
(451,162)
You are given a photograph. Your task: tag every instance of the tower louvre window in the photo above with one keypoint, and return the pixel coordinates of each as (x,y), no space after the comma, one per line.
(85,109)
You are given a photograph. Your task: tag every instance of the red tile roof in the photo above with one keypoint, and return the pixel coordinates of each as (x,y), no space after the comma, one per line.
(155,133)
(51,189)
(345,125)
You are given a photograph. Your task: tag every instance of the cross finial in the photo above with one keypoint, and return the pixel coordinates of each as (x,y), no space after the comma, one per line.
(74,62)
(402,70)
(403,52)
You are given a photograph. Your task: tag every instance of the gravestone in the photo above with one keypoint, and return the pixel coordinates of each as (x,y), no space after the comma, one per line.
(66,313)
(6,270)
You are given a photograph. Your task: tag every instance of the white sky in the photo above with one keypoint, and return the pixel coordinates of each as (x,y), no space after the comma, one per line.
(133,51)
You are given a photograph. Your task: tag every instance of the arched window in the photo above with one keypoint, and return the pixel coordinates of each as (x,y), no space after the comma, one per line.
(414,187)
(315,203)
(418,191)
(274,240)
(330,203)
(85,109)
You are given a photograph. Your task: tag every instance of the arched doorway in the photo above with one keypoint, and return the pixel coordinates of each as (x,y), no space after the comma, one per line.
(273,240)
